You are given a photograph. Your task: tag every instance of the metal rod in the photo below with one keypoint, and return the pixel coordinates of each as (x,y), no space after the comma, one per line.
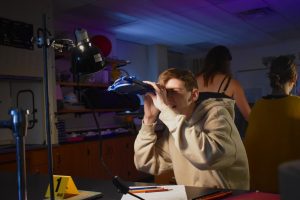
(19,123)
(21,165)
(46,92)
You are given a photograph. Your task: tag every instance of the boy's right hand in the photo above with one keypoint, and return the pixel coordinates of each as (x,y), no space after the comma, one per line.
(150,111)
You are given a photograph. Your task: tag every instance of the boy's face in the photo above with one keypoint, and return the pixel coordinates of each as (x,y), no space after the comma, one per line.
(179,99)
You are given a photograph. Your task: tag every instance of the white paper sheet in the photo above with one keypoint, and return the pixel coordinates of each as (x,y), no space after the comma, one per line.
(176,192)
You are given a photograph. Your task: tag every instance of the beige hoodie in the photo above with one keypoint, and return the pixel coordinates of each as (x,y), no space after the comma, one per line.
(205,151)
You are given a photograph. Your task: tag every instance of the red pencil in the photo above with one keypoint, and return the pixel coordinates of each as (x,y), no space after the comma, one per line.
(150,190)
(214,196)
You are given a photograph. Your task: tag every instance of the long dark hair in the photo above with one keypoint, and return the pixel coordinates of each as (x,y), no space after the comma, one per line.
(216,61)
(282,70)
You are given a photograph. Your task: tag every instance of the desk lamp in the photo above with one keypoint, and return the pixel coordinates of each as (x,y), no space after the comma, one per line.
(86,58)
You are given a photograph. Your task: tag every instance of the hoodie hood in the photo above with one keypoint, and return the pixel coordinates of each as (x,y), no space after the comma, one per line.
(204,106)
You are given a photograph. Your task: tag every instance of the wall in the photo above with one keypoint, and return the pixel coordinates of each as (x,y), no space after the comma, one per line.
(176,59)
(22,63)
(147,62)
(16,95)
(138,56)
(250,58)
(5,134)
(158,60)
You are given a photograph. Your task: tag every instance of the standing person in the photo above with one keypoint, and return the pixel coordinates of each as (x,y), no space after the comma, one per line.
(200,144)
(215,79)
(273,132)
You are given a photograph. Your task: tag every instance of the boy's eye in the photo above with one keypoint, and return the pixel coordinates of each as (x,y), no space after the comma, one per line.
(171,91)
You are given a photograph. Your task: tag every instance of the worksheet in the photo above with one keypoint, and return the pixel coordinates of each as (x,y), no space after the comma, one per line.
(165,192)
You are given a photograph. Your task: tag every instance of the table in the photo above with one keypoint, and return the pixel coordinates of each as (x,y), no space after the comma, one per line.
(37,186)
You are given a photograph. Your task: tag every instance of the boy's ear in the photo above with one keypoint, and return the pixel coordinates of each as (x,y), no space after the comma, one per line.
(194,94)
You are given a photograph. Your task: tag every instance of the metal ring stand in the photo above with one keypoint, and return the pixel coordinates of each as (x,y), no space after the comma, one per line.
(18,124)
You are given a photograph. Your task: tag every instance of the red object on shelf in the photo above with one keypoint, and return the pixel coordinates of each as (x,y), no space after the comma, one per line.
(74,139)
(103,43)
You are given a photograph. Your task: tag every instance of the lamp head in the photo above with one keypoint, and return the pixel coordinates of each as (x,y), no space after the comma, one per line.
(86,58)
(81,36)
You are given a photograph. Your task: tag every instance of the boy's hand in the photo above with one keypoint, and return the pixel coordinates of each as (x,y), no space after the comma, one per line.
(150,111)
(160,97)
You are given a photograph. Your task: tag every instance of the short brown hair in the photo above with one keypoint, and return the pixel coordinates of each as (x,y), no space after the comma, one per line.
(184,75)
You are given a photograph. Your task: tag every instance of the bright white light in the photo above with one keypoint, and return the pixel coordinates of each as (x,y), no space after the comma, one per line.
(81,47)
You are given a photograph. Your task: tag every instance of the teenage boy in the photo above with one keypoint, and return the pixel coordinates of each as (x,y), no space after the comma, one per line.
(201,142)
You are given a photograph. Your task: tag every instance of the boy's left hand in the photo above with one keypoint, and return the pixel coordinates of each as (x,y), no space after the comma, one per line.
(160,97)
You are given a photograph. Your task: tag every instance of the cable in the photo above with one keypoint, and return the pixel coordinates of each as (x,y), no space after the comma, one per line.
(115,179)
(89,104)
(123,188)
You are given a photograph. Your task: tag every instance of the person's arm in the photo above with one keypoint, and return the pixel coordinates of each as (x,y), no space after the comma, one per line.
(207,145)
(241,100)
(150,153)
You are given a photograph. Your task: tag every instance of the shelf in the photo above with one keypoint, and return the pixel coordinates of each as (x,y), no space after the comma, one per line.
(93,138)
(93,129)
(86,110)
(72,84)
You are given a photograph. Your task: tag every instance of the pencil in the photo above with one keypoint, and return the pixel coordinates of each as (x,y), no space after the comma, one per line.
(149,191)
(214,196)
(144,188)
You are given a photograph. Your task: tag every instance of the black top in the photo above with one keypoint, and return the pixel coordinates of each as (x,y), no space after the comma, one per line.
(226,85)
(219,94)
